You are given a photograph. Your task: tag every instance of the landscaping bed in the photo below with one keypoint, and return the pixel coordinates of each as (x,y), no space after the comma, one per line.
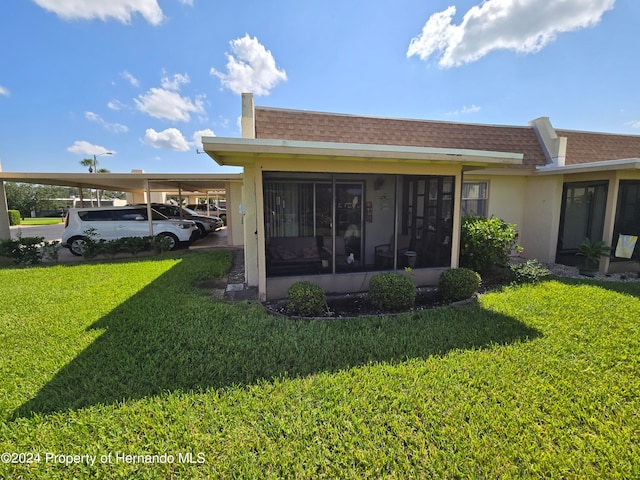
(358,304)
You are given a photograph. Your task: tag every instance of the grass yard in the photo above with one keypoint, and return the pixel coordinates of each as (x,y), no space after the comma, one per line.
(128,362)
(41,221)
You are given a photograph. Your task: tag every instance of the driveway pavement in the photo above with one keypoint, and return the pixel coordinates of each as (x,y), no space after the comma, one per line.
(49,232)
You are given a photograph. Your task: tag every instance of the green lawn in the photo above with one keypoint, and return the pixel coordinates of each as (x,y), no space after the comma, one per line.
(41,221)
(128,358)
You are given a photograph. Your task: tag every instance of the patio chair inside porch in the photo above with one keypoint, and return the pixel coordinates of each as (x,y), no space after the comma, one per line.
(384,253)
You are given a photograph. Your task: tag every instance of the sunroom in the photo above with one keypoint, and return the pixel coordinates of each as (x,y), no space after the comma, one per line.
(337,213)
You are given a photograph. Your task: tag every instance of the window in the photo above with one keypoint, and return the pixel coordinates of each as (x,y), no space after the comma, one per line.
(96,216)
(474,198)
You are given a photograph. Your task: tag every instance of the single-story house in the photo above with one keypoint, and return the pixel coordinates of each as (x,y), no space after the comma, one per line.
(336,198)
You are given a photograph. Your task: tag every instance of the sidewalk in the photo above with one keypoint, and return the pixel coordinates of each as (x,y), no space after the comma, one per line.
(237,289)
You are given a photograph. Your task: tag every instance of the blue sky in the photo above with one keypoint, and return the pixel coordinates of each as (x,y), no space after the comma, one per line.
(144,79)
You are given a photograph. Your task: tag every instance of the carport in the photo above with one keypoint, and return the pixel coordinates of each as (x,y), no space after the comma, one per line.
(141,184)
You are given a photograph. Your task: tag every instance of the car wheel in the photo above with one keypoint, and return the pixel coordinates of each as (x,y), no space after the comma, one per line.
(174,240)
(76,245)
(203,231)
(223,217)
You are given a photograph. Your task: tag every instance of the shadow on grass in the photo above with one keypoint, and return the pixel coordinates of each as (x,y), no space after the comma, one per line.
(171,337)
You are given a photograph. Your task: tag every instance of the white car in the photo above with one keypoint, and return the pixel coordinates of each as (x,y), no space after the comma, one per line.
(111,223)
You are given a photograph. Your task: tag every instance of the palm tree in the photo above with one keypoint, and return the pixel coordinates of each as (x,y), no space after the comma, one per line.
(92,163)
(88,162)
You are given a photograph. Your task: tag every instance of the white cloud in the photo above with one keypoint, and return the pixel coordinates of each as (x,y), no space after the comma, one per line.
(120,10)
(186,2)
(85,148)
(4,91)
(174,83)
(250,68)
(197,136)
(113,127)
(525,26)
(169,105)
(635,124)
(116,105)
(173,139)
(130,78)
(170,138)
(464,110)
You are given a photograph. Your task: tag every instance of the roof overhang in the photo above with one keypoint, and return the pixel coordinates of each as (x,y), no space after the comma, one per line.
(609,165)
(129,182)
(244,151)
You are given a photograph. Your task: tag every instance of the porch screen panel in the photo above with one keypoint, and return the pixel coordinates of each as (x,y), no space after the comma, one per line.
(288,209)
(427,218)
(627,212)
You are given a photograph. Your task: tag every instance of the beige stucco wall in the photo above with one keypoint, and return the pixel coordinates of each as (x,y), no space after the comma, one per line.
(235,219)
(541,218)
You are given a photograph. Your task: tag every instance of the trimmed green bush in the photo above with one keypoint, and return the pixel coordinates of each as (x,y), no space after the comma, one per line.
(14,217)
(392,291)
(530,271)
(486,243)
(458,284)
(306,299)
(24,250)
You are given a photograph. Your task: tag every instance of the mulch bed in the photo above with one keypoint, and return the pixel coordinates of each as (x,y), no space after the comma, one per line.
(358,304)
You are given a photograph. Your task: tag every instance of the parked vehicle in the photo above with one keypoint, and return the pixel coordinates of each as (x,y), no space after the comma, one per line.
(206,223)
(111,223)
(201,208)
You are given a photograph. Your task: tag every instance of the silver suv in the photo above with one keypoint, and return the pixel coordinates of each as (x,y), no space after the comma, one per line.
(111,223)
(206,224)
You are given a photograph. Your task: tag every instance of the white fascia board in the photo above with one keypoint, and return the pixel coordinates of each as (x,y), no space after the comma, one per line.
(217,146)
(624,164)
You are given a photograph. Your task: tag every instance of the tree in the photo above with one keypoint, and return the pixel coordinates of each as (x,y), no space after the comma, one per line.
(27,197)
(21,197)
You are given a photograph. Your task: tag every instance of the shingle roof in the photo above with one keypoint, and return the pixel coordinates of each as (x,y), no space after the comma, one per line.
(273,123)
(587,147)
(582,147)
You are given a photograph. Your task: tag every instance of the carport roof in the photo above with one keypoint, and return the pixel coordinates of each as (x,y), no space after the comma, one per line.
(129,182)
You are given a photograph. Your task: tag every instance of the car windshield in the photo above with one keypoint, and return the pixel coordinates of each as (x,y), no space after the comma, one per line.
(189,211)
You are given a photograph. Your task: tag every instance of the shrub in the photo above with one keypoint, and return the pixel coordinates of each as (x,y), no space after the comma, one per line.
(392,291)
(51,250)
(306,299)
(530,271)
(160,244)
(14,217)
(135,245)
(486,242)
(111,248)
(23,250)
(458,284)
